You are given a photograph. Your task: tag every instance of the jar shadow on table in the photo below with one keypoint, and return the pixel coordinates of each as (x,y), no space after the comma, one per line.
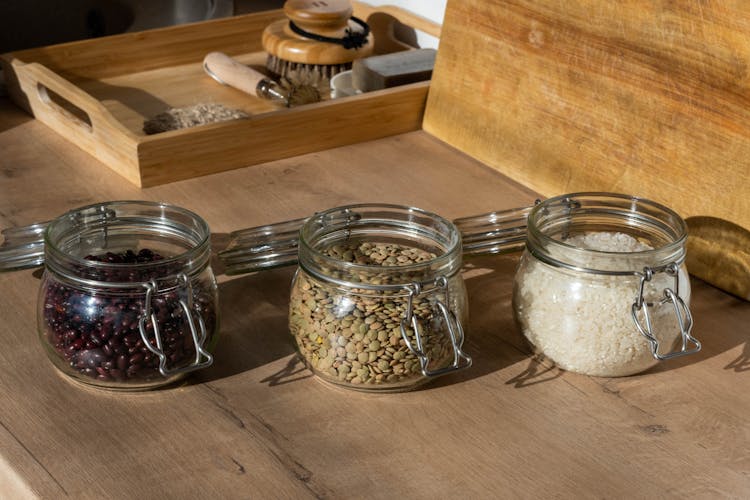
(741,363)
(717,337)
(254,317)
(493,339)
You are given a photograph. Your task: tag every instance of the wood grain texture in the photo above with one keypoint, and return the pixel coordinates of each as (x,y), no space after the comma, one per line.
(641,97)
(109,86)
(258,425)
(145,50)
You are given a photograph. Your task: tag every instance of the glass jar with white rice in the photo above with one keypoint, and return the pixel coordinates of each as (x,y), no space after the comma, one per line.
(602,287)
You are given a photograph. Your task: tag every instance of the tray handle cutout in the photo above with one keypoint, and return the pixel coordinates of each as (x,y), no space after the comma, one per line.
(64,107)
(53,98)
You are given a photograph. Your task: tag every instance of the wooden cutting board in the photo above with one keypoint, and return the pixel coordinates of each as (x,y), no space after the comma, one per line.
(645,97)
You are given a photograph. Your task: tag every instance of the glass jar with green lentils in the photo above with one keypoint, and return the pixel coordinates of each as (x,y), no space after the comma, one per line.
(378,301)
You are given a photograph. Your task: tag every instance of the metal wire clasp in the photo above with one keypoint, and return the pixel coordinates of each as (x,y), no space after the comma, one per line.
(681,310)
(455,330)
(202,357)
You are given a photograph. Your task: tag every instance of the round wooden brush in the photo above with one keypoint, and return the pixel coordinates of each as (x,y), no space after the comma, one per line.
(318,39)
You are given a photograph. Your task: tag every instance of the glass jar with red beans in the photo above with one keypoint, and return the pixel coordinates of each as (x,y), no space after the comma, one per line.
(128,299)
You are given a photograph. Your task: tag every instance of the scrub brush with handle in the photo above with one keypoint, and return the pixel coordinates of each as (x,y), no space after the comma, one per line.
(229,71)
(317,40)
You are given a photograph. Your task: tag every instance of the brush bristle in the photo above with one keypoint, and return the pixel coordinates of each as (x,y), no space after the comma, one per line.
(302,74)
(306,86)
(304,94)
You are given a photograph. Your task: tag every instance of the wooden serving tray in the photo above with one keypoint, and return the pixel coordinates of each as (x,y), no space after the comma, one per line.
(97,94)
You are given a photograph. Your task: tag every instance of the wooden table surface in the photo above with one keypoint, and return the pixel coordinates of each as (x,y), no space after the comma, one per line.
(259,425)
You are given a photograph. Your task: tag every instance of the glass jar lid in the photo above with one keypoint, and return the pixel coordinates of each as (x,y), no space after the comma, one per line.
(180,236)
(24,247)
(436,237)
(276,245)
(554,223)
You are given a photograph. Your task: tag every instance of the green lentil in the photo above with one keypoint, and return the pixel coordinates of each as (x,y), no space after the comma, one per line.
(356,339)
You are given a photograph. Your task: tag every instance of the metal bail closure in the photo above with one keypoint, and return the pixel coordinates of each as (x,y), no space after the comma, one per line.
(681,311)
(461,360)
(202,358)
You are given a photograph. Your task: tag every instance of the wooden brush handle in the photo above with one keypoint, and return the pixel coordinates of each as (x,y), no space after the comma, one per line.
(231,72)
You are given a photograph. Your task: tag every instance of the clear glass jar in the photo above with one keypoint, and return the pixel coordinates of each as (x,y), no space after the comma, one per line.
(602,287)
(128,299)
(378,301)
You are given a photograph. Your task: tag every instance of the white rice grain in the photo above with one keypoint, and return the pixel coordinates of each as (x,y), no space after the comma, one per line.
(583,322)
